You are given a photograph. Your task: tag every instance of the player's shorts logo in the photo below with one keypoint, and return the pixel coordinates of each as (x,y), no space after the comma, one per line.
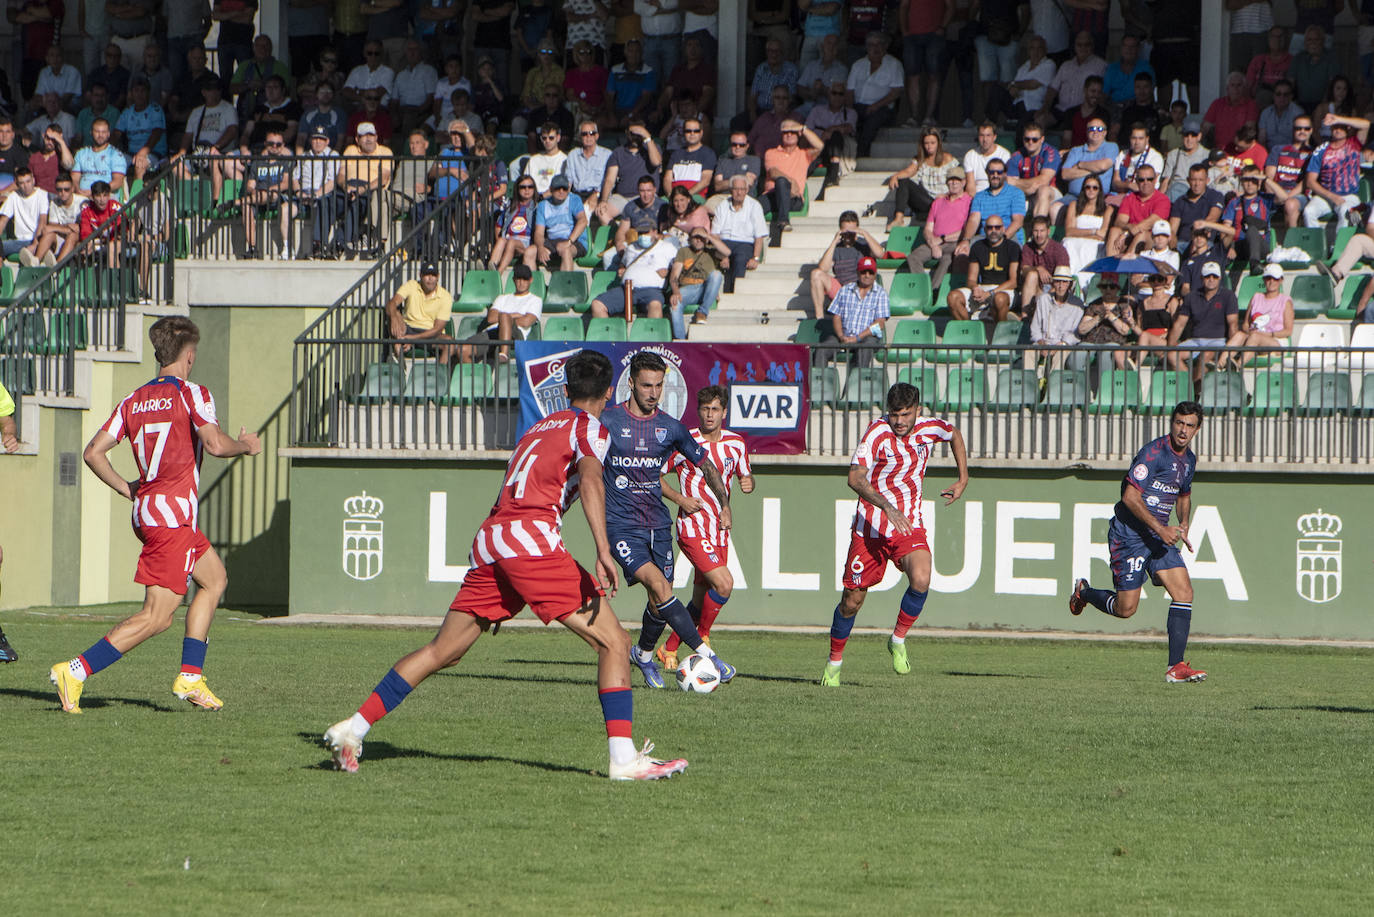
(1140,472)
(1319,557)
(362,536)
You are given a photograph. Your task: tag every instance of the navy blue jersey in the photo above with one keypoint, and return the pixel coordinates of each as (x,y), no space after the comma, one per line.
(640,449)
(1161,475)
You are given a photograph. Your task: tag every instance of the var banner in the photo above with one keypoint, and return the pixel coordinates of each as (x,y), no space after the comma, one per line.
(767,384)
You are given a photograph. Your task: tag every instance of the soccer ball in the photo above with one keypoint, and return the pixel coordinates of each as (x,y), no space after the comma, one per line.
(698,675)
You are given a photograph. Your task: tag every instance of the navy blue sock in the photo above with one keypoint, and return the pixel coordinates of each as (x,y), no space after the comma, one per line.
(1180,620)
(1103,600)
(840,626)
(694,612)
(678,618)
(651,628)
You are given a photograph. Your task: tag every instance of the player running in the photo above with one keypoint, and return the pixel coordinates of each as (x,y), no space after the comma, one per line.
(168,421)
(1142,542)
(699,534)
(518,559)
(642,440)
(887,472)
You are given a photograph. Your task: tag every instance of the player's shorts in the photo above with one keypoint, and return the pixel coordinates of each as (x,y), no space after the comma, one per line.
(1134,556)
(869,554)
(554,586)
(636,548)
(703,553)
(169,555)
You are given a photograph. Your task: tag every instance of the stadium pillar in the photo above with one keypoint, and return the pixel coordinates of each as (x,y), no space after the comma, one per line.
(1212,68)
(733,46)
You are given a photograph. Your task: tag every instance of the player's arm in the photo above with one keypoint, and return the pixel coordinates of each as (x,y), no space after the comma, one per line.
(97,459)
(956,445)
(1135,502)
(1184,509)
(688,504)
(592,492)
(859,483)
(717,484)
(222,445)
(9,434)
(746,483)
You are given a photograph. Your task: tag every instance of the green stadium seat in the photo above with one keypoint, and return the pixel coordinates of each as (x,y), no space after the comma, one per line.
(538,286)
(1005,335)
(1223,393)
(564,327)
(17,374)
(960,333)
(28,277)
(1350,296)
(229,194)
(66,332)
(1310,239)
(909,293)
(1327,394)
(606,329)
(900,243)
(426,381)
(1275,393)
(927,382)
(194,196)
(1312,295)
(470,325)
(1167,389)
(1364,191)
(910,334)
(506,384)
(1250,284)
(941,298)
(1015,389)
(808,332)
(534,333)
(825,386)
(1066,390)
(965,387)
(468,384)
(480,289)
(1343,237)
(1118,390)
(805,209)
(381,382)
(651,330)
(1364,409)
(601,237)
(600,283)
(510,146)
(864,387)
(566,291)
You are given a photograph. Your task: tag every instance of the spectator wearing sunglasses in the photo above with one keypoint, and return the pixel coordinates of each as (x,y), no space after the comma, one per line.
(586,165)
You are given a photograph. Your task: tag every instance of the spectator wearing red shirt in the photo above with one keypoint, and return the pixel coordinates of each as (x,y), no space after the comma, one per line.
(692,72)
(1266,70)
(373,112)
(584,83)
(1225,116)
(100,207)
(38,21)
(1137,215)
(1039,258)
(1245,151)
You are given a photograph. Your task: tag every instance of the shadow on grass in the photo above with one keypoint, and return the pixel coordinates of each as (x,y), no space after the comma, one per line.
(743,676)
(382,751)
(1320,708)
(88,703)
(531,679)
(990,675)
(590,662)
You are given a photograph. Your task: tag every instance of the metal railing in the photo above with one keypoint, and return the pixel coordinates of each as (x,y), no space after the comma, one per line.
(334,356)
(326,207)
(79,303)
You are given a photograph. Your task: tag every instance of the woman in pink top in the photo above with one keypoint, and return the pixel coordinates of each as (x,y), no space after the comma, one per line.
(1268,319)
(683,212)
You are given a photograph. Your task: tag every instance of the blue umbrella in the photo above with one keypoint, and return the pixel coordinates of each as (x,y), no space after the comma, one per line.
(1123,266)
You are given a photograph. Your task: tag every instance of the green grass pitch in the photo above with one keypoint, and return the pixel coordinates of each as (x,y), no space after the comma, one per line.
(1001,777)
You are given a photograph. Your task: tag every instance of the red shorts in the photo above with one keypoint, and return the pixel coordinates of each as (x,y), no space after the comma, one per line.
(169,555)
(868,556)
(833,288)
(703,554)
(553,586)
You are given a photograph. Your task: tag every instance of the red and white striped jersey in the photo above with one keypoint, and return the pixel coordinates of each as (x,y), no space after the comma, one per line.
(731,458)
(162,420)
(896,468)
(541,484)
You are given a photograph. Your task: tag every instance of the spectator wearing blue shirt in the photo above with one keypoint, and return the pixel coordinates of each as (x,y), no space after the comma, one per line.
(1096,157)
(632,86)
(100,161)
(772,73)
(1119,80)
(560,228)
(142,130)
(586,165)
(1333,173)
(1033,169)
(450,168)
(997,199)
(858,314)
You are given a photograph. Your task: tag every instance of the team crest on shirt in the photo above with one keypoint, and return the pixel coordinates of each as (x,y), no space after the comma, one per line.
(661,434)
(1140,472)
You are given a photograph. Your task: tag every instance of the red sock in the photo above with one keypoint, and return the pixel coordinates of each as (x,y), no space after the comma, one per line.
(837,648)
(373,709)
(671,644)
(710,609)
(904,622)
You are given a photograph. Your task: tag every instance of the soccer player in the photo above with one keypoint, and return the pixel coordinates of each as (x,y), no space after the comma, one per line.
(887,471)
(699,534)
(1141,541)
(168,422)
(642,440)
(518,558)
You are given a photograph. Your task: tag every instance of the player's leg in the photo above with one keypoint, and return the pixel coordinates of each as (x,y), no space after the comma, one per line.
(1127,555)
(1180,586)
(716,589)
(159,606)
(666,610)
(597,625)
(711,588)
(864,568)
(916,565)
(211,581)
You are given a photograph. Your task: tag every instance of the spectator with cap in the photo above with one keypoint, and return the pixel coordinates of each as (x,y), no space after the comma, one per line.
(637,157)
(739,222)
(510,318)
(1286,170)
(646,274)
(992,279)
(1268,319)
(1209,316)
(560,228)
(940,234)
(1333,172)
(737,161)
(1161,250)
(1174,177)
(876,82)
(366,170)
(858,315)
(1136,216)
(839,265)
(316,180)
(695,279)
(632,86)
(418,314)
(1041,258)
(637,220)
(1058,312)
(785,169)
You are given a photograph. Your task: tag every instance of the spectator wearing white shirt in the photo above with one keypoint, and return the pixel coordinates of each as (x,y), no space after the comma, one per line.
(1065,91)
(61,232)
(510,318)
(1032,80)
(370,75)
(820,74)
(413,88)
(550,161)
(646,275)
(740,224)
(52,114)
(980,154)
(661,23)
(443,89)
(875,83)
(1134,157)
(59,77)
(27,209)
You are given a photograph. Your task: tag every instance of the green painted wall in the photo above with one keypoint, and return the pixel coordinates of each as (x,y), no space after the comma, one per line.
(1004,555)
(26,519)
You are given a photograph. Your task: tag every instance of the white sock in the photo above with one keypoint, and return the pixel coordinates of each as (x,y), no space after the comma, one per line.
(360,725)
(77,669)
(191,676)
(834,662)
(899,640)
(622,749)
(643,656)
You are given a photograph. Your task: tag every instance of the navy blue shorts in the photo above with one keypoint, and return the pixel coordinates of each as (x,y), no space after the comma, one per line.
(1134,556)
(634,549)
